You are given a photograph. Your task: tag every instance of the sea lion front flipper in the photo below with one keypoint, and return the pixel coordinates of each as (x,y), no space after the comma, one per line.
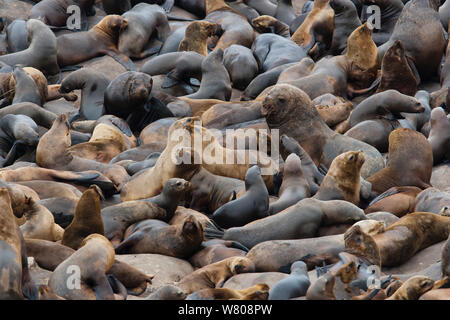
(14,152)
(238,245)
(28,288)
(194,82)
(122,59)
(101,286)
(75,117)
(168,5)
(117,286)
(170,80)
(122,125)
(150,51)
(323,169)
(159,109)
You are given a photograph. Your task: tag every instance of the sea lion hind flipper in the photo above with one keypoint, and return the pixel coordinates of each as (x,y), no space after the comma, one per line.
(168,5)
(122,125)
(170,80)
(122,59)
(238,245)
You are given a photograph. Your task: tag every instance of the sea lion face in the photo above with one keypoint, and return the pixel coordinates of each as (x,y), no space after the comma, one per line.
(293,165)
(176,186)
(61,125)
(300,266)
(192,227)
(252,175)
(140,86)
(114,22)
(242,265)
(280,103)
(418,285)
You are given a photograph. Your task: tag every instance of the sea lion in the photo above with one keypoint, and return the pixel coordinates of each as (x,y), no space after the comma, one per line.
(167,292)
(40,54)
(214,251)
(93,85)
(405,144)
(41,116)
(413,288)
(17,36)
(342,181)
(390,12)
(241,65)
(387,104)
(216,83)
(55,155)
(209,192)
(432,200)
(398,72)
(101,39)
(272,50)
(16,279)
(55,12)
(143,19)
(25,89)
(309,169)
(410,30)
(236,29)
(317,29)
(397,200)
(40,224)
(290,110)
(87,219)
(94,259)
(256,292)
(439,136)
(333,110)
(215,275)
(346,19)
(253,205)
(196,36)
(117,218)
(436,294)
(18,134)
(294,186)
(157,237)
(400,241)
(293,286)
(299,221)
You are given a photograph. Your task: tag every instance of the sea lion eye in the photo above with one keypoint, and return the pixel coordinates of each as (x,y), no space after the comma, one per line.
(179,183)
(351,157)
(282,100)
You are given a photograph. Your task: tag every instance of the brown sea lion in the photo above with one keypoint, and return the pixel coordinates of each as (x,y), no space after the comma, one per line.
(268,24)
(94,259)
(154,236)
(333,110)
(404,145)
(294,186)
(101,39)
(56,156)
(400,241)
(290,110)
(196,36)
(16,280)
(342,181)
(87,219)
(257,292)
(214,251)
(397,200)
(40,224)
(215,275)
(413,288)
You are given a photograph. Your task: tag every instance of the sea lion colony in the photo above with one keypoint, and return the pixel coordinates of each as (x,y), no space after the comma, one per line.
(96,190)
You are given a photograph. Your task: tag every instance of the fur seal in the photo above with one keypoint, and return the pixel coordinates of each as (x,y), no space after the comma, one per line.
(143,19)
(294,186)
(290,110)
(40,224)
(293,286)
(400,241)
(101,39)
(93,85)
(154,236)
(253,205)
(87,219)
(413,288)
(56,156)
(94,259)
(342,181)
(256,292)
(40,54)
(405,144)
(215,275)
(16,279)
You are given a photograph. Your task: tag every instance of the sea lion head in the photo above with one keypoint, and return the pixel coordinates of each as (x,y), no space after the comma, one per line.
(204,29)
(252,176)
(362,245)
(285,102)
(416,286)
(114,22)
(176,187)
(192,228)
(350,162)
(257,292)
(241,265)
(293,166)
(361,49)
(299,266)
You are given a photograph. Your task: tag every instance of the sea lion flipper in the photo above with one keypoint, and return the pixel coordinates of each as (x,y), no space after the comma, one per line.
(122,125)
(122,59)
(150,51)
(238,245)
(323,169)
(75,117)
(117,286)
(170,80)
(14,153)
(168,5)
